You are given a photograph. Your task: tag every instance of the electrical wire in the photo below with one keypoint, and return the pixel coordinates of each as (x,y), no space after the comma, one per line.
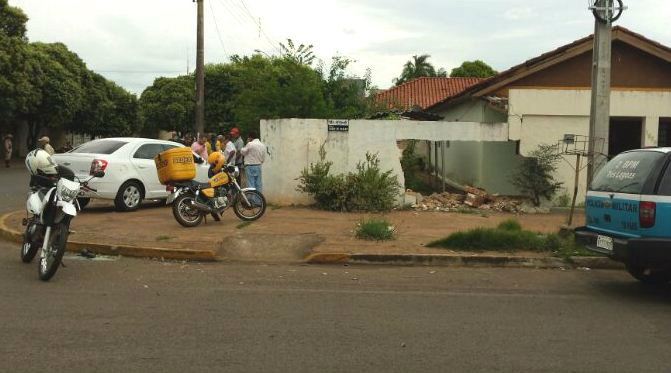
(216,26)
(243,8)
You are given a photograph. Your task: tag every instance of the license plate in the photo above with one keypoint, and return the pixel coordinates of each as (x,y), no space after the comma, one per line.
(604,242)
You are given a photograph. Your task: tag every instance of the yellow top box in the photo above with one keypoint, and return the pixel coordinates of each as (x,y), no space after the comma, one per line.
(175,165)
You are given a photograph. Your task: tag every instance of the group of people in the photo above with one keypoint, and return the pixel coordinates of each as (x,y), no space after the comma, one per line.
(42,143)
(248,157)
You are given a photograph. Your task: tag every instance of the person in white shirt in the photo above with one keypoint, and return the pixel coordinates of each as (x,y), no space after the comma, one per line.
(229,150)
(44,144)
(255,154)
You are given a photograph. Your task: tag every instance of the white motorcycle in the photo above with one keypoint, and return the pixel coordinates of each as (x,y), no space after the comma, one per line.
(51,205)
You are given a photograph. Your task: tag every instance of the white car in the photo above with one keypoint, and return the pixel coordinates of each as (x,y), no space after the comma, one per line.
(130,173)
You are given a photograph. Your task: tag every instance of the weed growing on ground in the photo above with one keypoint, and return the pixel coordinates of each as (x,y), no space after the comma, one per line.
(374,230)
(509,237)
(163,238)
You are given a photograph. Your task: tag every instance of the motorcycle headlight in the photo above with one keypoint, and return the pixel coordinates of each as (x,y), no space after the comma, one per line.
(67,190)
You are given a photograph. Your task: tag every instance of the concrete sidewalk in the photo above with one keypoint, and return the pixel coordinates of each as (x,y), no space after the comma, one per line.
(292,234)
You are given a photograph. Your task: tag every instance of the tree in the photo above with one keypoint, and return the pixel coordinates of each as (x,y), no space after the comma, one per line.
(302,54)
(535,176)
(12,21)
(275,87)
(168,104)
(473,69)
(417,68)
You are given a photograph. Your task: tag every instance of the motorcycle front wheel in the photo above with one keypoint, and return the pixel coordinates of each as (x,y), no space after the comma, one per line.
(30,245)
(186,215)
(51,259)
(252,211)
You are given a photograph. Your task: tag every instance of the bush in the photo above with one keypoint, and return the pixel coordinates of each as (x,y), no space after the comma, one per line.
(535,177)
(374,230)
(413,167)
(367,189)
(510,225)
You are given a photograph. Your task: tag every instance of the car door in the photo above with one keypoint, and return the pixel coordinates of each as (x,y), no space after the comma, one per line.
(143,162)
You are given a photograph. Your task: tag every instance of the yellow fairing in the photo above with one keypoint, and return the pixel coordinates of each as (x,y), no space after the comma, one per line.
(219,180)
(209,192)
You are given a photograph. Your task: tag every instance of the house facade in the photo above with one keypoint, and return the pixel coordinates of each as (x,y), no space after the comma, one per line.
(548,97)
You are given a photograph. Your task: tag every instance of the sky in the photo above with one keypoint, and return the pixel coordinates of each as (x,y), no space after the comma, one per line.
(132,42)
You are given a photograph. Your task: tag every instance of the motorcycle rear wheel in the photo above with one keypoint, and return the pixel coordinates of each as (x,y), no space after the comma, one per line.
(185,215)
(47,266)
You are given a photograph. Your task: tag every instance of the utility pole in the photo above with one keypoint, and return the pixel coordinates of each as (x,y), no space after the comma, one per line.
(605,12)
(200,73)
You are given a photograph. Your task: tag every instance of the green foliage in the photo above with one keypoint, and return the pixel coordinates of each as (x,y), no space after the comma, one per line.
(372,189)
(511,225)
(535,177)
(412,167)
(367,189)
(374,230)
(509,237)
(12,21)
(303,55)
(473,69)
(417,68)
(47,85)
(168,104)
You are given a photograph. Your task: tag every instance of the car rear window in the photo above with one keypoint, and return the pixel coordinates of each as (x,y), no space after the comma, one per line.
(100,147)
(627,172)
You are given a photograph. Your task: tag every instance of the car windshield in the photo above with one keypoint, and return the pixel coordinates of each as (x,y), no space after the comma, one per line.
(99,147)
(627,172)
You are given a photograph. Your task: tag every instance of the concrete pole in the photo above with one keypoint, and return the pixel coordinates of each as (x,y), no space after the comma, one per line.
(200,73)
(599,122)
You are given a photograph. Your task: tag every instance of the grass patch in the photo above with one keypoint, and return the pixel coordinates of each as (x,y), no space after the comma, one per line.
(467,210)
(508,237)
(243,225)
(274,207)
(510,225)
(374,230)
(163,238)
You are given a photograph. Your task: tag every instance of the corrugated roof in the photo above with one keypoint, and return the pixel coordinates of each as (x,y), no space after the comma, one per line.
(424,92)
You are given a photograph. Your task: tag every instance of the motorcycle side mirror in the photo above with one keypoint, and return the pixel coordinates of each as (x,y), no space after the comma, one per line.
(99,174)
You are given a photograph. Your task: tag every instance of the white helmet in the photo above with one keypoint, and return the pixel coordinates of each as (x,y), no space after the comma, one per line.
(39,162)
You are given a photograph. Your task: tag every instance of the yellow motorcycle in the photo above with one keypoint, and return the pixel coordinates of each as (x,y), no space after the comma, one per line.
(192,201)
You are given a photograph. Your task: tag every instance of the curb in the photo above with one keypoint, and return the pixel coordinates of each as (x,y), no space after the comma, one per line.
(463,260)
(13,235)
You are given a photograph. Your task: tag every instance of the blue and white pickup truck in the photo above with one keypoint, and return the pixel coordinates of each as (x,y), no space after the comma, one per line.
(628,213)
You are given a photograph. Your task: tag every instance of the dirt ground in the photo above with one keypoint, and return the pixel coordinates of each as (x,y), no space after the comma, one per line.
(154,226)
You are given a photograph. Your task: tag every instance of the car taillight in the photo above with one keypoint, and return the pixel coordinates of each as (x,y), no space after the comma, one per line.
(646,214)
(97,165)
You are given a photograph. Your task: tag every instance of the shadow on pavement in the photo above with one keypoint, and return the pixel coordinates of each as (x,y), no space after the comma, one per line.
(636,291)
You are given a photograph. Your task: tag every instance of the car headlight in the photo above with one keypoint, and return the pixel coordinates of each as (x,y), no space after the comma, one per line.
(67,190)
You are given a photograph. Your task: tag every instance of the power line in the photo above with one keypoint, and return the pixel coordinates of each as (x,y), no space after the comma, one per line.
(245,12)
(216,26)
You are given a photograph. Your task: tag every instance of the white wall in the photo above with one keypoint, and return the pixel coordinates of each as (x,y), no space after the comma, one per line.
(294,144)
(543,116)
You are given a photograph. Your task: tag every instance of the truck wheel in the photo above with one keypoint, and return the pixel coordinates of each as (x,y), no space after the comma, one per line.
(649,276)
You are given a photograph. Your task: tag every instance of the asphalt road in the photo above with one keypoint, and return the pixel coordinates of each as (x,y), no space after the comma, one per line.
(151,316)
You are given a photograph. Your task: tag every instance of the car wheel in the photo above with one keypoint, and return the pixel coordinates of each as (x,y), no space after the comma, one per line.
(83,202)
(129,196)
(649,276)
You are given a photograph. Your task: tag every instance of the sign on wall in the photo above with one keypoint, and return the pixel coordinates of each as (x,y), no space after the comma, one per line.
(338,125)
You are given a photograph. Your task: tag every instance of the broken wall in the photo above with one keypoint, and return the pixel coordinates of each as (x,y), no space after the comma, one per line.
(293,144)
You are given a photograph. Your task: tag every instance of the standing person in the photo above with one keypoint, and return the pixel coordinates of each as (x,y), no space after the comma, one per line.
(208,144)
(219,144)
(199,147)
(43,143)
(229,150)
(255,154)
(8,149)
(239,144)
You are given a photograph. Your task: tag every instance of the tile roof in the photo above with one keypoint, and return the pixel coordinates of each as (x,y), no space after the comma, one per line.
(424,92)
(513,71)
